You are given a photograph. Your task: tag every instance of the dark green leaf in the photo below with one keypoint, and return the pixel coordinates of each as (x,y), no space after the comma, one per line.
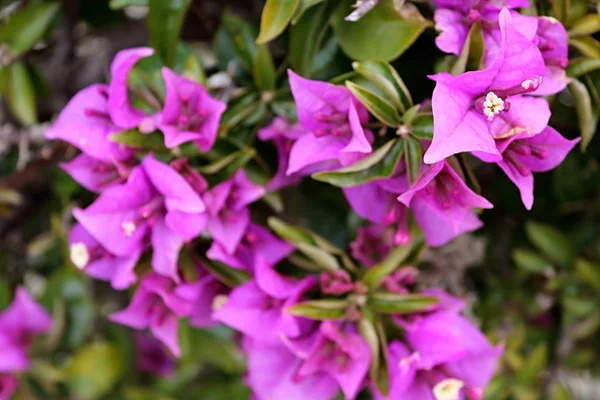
(550,241)
(233,161)
(413,155)
(535,364)
(583,105)
(385,77)
(380,108)
(327,309)
(302,7)
(531,262)
(422,126)
(231,277)
(581,66)
(238,110)
(560,10)
(380,164)
(589,273)
(394,303)
(306,37)
(472,52)
(263,69)
(587,45)
(164,23)
(383,34)
(27,26)
(242,36)
(275,17)
(94,370)
(588,25)
(20,93)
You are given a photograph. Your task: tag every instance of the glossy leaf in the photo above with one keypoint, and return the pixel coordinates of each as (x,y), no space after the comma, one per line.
(386,78)
(275,17)
(380,108)
(421,126)
(20,93)
(27,26)
(320,310)
(94,370)
(395,303)
(306,37)
(377,165)
(413,157)
(550,241)
(588,121)
(263,69)
(165,19)
(383,34)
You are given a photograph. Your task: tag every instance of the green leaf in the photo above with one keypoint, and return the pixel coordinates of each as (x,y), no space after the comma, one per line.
(237,159)
(94,370)
(583,106)
(192,69)
(165,19)
(306,37)
(373,277)
(289,232)
(238,110)
(560,10)
(200,345)
(588,25)
(134,138)
(242,36)
(275,17)
(231,277)
(559,392)
(302,7)
(327,309)
(535,363)
(386,78)
(383,34)
(368,331)
(27,26)
(531,262)
(413,156)
(588,272)
(587,45)
(471,54)
(263,69)
(20,93)
(587,327)
(550,241)
(380,108)
(421,126)
(377,165)
(394,303)
(118,4)
(581,66)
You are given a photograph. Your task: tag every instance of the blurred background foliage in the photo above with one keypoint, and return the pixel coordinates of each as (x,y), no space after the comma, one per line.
(532,278)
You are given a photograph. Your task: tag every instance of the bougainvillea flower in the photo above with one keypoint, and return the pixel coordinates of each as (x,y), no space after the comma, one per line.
(96,175)
(155,200)
(204,293)
(87,254)
(8,385)
(333,118)
(523,154)
(453,19)
(152,357)
(262,317)
(86,124)
(190,113)
(257,241)
(284,135)
(227,206)
(341,353)
(155,306)
(442,202)
(273,374)
(372,244)
(472,109)
(553,42)
(122,112)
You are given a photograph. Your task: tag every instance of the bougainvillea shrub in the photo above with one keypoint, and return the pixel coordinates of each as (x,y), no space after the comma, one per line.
(299,199)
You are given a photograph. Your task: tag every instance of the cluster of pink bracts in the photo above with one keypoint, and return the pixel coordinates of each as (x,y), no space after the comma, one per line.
(148,202)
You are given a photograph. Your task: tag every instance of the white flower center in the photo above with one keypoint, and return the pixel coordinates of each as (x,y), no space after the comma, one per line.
(492,105)
(532,83)
(448,389)
(219,301)
(79,255)
(128,228)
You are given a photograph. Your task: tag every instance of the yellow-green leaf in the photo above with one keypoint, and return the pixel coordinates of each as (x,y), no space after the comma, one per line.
(20,93)
(275,17)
